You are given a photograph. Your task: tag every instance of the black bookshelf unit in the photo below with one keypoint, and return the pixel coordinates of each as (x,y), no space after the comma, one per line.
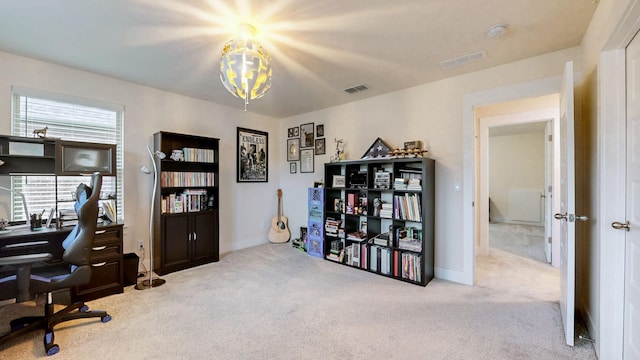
(186,213)
(379,216)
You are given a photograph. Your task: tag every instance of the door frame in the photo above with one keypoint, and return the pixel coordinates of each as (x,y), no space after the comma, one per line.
(610,191)
(530,89)
(550,115)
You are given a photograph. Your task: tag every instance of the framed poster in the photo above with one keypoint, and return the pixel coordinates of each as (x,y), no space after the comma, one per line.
(293,149)
(293,168)
(306,160)
(319,130)
(320,147)
(293,132)
(306,135)
(253,152)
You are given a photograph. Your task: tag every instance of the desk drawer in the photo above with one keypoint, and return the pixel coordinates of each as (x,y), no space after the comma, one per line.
(109,235)
(102,252)
(105,280)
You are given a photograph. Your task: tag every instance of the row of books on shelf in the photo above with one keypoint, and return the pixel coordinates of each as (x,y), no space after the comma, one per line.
(188,178)
(380,259)
(188,201)
(407,207)
(199,155)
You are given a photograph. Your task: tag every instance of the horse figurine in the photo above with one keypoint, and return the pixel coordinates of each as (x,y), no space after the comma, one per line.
(41,133)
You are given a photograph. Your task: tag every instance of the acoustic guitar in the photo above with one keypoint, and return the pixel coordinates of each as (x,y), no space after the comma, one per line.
(279,232)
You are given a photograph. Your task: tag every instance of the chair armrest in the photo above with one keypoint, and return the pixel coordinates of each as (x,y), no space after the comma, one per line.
(24,259)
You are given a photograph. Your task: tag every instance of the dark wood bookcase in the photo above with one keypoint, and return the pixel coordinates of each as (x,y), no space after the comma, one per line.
(379,216)
(186,212)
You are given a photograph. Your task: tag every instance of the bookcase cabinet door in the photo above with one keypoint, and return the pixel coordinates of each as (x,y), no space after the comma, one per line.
(175,240)
(204,227)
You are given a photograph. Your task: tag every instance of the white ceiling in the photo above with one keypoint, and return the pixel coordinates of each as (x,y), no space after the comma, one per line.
(319,47)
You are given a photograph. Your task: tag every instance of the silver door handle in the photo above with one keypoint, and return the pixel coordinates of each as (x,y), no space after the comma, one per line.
(582,218)
(559,216)
(619,226)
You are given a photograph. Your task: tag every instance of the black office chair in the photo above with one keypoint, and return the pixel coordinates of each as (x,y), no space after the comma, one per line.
(32,278)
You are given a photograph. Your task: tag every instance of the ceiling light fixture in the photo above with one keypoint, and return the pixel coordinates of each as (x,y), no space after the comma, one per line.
(245,66)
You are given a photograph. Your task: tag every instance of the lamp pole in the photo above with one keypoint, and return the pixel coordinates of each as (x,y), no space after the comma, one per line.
(151,282)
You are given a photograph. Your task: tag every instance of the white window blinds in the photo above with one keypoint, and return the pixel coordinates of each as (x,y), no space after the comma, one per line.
(67,118)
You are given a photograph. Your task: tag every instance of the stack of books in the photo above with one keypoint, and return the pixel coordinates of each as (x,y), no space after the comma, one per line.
(414,184)
(332,227)
(400,183)
(386,211)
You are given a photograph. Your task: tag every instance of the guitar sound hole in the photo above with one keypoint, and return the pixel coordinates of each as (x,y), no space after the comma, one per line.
(281,225)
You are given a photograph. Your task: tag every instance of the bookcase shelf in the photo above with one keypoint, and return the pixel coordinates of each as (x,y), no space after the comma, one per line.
(380,217)
(186,223)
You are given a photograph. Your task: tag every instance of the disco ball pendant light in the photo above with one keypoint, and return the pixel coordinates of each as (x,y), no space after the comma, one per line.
(245,66)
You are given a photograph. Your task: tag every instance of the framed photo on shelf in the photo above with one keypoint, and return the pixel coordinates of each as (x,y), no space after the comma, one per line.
(306,160)
(293,132)
(320,147)
(306,136)
(338,181)
(252,156)
(319,130)
(293,149)
(293,168)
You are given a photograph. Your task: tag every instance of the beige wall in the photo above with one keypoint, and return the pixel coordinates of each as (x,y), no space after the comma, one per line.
(516,162)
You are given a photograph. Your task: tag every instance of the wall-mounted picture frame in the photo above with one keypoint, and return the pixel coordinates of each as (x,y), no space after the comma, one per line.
(320,147)
(306,160)
(306,135)
(293,168)
(252,157)
(320,130)
(293,149)
(293,132)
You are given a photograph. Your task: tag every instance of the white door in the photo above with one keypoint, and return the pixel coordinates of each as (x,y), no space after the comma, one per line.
(632,241)
(548,180)
(567,206)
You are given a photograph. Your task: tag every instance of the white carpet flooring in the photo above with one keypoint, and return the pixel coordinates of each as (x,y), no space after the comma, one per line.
(274,302)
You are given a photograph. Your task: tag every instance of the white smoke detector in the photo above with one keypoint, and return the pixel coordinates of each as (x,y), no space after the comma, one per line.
(496,31)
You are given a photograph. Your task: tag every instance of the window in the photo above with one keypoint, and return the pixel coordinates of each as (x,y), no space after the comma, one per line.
(67,118)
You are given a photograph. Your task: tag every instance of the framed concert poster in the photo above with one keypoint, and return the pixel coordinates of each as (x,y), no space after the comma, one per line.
(252,156)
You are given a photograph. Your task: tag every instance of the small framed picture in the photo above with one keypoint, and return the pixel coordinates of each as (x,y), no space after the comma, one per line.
(320,147)
(293,132)
(306,160)
(306,136)
(338,181)
(319,130)
(413,145)
(293,168)
(293,149)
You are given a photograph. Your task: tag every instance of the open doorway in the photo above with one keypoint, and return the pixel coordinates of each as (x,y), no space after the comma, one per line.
(516,176)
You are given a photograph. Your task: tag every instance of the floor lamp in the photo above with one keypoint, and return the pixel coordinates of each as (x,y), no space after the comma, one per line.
(151,282)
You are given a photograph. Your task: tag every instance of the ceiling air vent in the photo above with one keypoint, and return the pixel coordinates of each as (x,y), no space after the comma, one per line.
(464,59)
(357,88)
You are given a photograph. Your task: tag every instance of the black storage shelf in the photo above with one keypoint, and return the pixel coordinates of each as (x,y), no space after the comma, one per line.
(417,205)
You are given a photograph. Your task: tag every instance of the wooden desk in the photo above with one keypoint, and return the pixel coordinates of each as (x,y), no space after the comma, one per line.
(108,268)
